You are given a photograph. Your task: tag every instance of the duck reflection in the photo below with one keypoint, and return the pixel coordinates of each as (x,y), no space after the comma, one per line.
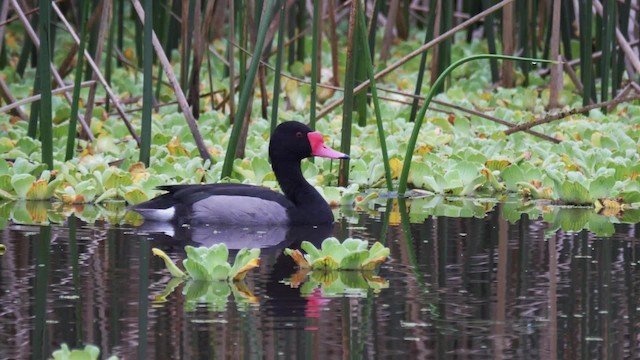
(269,239)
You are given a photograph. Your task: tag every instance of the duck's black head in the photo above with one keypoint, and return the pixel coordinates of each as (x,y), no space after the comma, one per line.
(294,141)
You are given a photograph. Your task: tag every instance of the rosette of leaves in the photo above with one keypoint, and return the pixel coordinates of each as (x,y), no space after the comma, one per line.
(207,270)
(26,180)
(211,263)
(352,254)
(90,352)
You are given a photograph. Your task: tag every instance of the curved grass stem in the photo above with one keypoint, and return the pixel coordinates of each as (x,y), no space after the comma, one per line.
(404,176)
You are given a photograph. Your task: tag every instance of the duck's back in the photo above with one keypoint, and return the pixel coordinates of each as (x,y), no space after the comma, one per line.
(231,204)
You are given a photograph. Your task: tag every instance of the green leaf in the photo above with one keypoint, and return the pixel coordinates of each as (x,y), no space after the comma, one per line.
(196,270)
(574,193)
(311,250)
(512,175)
(219,272)
(261,169)
(216,254)
(602,187)
(353,245)
(22,183)
(354,261)
(171,266)
(243,258)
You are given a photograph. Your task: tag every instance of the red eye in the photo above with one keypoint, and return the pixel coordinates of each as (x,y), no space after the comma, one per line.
(299,134)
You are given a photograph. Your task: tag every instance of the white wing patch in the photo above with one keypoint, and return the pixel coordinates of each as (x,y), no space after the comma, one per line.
(240,210)
(158,214)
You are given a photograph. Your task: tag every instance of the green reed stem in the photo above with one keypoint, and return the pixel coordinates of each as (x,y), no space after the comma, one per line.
(618,65)
(608,19)
(246,90)
(77,81)
(108,65)
(314,63)
(523,18)
(44,65)
(347,109)
(491,41)
(362,32)
(147,85)
(423,60)
(164,20)
(278,71)
(404,176)
(586,68)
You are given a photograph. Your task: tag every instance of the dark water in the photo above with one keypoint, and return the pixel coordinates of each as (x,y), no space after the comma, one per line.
(463,288)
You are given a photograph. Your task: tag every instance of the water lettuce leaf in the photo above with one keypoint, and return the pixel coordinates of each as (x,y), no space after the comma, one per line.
(351,254)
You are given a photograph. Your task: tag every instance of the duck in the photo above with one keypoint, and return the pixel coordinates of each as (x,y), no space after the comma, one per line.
(252,205)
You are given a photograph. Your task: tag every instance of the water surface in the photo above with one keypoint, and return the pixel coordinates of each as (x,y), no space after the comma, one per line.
(468,288)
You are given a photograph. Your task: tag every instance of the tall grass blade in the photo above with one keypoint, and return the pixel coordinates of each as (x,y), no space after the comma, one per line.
(609,40)
(120,37)
(44,61)
(565,27)
(280,50)
(231,61)
(164,18)
(618,65)
(404,176)
(246,90)
(110,54)
(291,33)
(243,25)
(366,54)
(147,85)
(28,47)
(373,26)
(315,59)
(100,78)
(34,115)
(586,67)
(489,28)
(71,135)
(347,109)
(182,101)
(301,21)
(361,100)
(444,49)
(99,46)
(198,46)
(523,19)
(428,35)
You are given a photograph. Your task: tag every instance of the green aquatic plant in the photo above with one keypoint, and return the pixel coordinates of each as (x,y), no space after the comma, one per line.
(89,352)
(210,279)
(211,263)
(25,180)
(351,254)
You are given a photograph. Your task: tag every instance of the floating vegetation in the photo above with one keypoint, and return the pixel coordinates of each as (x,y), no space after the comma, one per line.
(211,263)
(210,279)
(351,254)
(338,268)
